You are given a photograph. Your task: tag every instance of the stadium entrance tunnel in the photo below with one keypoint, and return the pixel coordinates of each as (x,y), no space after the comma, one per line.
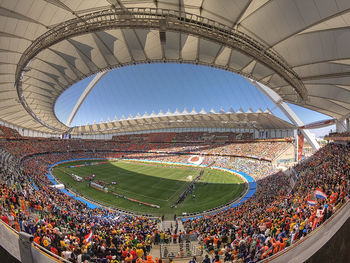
(151,188)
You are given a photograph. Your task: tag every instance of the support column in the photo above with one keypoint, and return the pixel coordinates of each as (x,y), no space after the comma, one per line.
(341,125)
(287,111)
(84,94)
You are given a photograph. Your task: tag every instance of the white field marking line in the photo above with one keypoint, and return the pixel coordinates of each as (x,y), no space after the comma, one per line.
(133,193)
(186,182)
(130,192)
(162,188)
(153,186)
(180,188)
(156,199)
(161,179)
(209,202)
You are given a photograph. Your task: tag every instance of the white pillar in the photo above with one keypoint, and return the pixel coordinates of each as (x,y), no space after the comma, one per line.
(287,111)
(340,125)
(83,96)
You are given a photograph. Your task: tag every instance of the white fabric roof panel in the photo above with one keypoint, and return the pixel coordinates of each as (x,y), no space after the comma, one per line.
(245,120)
(311,37)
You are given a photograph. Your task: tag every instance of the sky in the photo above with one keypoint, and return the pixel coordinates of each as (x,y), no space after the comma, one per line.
(162,87)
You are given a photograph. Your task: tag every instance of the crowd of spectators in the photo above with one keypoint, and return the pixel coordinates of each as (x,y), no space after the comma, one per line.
(62,224)
(337,134)
(7,132)
(275,217)
(265,149)
(255,168)
(209,137)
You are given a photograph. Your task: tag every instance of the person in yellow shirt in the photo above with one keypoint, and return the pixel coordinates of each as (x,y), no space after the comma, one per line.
(139,252)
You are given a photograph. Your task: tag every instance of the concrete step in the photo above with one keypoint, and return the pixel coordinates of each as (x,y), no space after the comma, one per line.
(168,224)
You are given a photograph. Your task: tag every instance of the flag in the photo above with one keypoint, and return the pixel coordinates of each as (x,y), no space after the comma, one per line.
(300,144)
(88,237)
(37,219)
(319,213)
(311,202)
(319,194)
(23,206)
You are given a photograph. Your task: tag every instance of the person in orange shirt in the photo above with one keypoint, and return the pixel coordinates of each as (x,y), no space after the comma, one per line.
(333,198)
(264,254)
(37,240)
(149,259)
(128,258)
(283,243)
(17,226)
(215,241)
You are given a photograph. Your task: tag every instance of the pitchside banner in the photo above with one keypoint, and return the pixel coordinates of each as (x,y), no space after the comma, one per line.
(300,144)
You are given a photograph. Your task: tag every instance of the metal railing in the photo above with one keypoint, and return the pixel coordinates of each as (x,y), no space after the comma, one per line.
(180,250)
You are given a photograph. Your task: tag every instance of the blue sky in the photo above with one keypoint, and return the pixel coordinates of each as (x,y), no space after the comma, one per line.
(155,87)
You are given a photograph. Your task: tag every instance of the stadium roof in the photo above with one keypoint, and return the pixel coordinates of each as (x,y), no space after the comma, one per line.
(298,48)
(244,120)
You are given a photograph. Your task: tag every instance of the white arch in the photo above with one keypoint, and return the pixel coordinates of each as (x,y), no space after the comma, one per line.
(84,94)
(287,111)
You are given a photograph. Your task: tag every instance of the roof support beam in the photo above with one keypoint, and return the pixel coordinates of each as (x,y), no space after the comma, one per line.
(83,96)
(153,18)
(275,98)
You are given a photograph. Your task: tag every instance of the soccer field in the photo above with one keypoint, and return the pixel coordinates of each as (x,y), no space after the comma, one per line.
(153,183)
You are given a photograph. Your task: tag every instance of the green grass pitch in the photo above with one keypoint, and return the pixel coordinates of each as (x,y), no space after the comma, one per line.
(153,183)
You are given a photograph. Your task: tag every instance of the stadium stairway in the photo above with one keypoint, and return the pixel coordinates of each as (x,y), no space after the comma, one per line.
(171,224)
(168,224)
(180,226)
